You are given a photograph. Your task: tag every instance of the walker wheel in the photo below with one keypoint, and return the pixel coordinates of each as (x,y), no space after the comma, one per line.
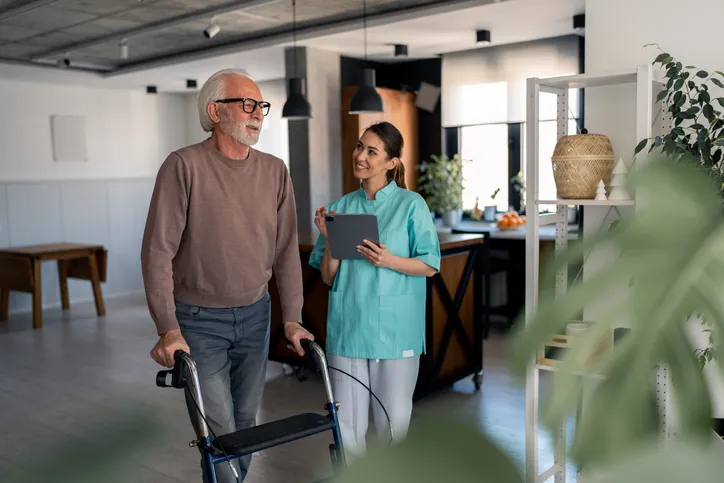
(478,380)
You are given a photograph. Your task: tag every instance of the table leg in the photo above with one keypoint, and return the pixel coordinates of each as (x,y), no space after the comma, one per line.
(4,304)
(96,282)
(63,279)
(37,296)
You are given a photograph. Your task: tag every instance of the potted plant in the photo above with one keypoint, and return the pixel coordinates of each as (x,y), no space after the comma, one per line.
(441,184)
(490,210)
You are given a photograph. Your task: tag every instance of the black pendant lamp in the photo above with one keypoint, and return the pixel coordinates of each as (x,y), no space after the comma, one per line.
(296,106)
(366,99)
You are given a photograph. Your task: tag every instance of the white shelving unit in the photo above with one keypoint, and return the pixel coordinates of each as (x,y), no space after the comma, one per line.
(644,80)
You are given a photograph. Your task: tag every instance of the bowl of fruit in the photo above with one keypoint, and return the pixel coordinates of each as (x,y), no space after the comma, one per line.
(511,221)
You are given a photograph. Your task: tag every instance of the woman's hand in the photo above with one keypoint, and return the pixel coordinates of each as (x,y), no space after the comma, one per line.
(377,255)
(320,220)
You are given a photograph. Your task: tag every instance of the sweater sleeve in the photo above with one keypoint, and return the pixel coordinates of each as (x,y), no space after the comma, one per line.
(165,224)
(287,262)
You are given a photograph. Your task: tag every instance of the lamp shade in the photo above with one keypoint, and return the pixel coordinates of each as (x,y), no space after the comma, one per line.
(366,99)
(296,106)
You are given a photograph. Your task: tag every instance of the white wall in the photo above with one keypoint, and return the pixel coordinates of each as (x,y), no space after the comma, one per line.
(103,200)
(616,31)
(128,133)
(274,137)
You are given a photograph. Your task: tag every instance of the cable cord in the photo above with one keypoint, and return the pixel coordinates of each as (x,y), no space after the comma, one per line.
(228,460)
(389,421)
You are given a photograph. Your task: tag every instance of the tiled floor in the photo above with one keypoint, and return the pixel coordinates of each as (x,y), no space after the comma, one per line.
(64,388)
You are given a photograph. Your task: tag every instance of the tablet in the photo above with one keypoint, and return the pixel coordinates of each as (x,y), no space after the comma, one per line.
(346,231)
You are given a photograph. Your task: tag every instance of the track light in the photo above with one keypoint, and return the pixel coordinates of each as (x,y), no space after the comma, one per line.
(151,90)
(400,50)
(211,31)
(482,36)
(191,83)
(579,22)
(123,49)
(66,61)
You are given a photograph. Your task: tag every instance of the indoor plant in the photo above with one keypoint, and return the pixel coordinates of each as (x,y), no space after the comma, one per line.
(441,184)
(689,97)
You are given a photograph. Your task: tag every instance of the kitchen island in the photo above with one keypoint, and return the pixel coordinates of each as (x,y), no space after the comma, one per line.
(454,331)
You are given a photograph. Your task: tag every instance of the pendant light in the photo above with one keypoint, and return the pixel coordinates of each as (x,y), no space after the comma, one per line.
(296,106)
(366,99)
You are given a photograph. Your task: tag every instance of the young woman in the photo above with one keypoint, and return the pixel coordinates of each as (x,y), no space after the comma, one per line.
(376,314)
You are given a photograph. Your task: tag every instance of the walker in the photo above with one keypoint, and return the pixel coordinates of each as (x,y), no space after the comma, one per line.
(228,447)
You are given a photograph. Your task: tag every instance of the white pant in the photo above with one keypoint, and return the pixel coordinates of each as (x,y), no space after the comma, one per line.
(392,380)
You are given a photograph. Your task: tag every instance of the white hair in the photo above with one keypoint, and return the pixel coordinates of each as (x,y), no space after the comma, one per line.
(212,90)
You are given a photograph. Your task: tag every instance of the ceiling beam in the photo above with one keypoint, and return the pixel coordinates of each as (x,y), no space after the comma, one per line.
(304,32)
(231,6)
(16,8)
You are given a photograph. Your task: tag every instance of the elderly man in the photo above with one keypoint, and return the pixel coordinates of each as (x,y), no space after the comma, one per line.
(222,218)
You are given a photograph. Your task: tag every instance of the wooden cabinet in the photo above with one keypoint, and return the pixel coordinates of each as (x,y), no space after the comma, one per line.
(400,110)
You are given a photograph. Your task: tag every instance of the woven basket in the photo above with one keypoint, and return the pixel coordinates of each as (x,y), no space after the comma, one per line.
(579,163)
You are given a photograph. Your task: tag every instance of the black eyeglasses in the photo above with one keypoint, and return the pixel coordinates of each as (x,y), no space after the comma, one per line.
(249,105)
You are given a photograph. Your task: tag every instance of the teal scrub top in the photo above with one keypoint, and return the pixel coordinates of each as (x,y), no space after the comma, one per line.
(378,313)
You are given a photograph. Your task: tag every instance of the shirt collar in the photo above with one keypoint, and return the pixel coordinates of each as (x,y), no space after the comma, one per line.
(385,192)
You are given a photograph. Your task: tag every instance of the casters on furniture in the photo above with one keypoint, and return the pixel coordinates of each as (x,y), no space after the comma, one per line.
(478,380)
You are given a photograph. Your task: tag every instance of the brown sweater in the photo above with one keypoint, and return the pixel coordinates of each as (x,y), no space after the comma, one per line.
(216,229)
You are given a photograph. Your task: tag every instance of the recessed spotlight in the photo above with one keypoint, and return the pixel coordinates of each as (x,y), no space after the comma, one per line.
(151,90)
(211,31)
(579,22)
(400,50)
(191,83)
(482,36)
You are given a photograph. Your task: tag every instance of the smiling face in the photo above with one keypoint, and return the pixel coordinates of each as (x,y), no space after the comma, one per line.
(232,119)
(370,158)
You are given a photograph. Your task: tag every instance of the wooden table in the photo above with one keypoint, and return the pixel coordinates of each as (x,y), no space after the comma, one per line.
(20,271)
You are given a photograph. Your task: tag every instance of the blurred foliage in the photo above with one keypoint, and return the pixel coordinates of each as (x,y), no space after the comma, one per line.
(103,455)
(669,277)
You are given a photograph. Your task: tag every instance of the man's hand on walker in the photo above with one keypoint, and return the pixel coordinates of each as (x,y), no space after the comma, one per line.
(294,332)
(167,345)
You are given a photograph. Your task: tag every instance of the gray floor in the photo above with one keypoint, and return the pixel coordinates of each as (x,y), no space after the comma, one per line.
(67,390)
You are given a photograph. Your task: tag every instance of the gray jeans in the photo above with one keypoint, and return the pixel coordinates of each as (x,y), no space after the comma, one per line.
(230,348)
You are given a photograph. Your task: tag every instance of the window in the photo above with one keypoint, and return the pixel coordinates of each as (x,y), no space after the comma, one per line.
(485,147)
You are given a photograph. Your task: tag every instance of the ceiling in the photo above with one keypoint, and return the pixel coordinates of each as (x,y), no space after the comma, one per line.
(170,46)
(87,34)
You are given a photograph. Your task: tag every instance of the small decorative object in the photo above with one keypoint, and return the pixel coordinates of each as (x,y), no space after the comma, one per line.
(601,192)
(477,213)
(618,182)
(579,163)
(490,210)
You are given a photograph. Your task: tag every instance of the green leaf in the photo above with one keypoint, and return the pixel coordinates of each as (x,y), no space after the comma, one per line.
(708,112)
(717,82)
(438,448)
(692,85)
(703,74)
(678,84)
(640,146)
(720,100)
(661,58)
(661,95)
(704,97)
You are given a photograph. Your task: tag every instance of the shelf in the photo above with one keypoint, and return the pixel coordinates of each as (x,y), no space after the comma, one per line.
(588,202)
(581,81)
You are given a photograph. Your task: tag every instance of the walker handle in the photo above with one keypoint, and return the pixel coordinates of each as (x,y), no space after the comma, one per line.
(176,375)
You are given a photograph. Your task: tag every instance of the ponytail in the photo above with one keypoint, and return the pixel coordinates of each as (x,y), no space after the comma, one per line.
(398,175)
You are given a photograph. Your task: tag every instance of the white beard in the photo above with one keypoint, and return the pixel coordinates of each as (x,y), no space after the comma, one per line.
(237,130)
